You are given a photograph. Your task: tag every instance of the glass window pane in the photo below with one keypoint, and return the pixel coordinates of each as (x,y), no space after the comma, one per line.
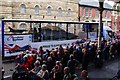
(69,12)
(59,12)
(37,9)
(49,11)
(22,8)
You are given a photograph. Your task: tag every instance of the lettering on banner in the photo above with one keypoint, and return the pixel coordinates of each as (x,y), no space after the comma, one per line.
(18,38)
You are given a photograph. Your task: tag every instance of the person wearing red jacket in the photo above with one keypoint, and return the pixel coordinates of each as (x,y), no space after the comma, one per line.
(26,64)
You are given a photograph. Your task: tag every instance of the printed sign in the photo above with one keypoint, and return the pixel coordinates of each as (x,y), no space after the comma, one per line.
(92,35)
(14,44)
(54,44)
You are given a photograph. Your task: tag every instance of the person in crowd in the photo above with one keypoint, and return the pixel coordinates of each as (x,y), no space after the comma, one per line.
(56,74)
(49,63)
(59,65)
(61,51)
(72,63)
(75,55)
(112,50)
(46,54)
(35,70)
(26,64)
(79,52)
(92,52)
(118,47)
(85,59)
(19,59)
(43,74)
(65,58)
(41,51)
(106,51)
(53,56)
(84,75)
(30,60)
(71,49)
(98,58)
(67,75)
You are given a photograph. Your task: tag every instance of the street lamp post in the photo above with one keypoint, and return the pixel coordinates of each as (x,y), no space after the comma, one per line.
(101,2)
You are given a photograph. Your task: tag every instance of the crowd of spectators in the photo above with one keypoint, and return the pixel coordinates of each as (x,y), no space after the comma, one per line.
(60,63)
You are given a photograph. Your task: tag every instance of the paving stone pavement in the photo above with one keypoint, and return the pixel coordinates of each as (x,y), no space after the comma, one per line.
(107,72)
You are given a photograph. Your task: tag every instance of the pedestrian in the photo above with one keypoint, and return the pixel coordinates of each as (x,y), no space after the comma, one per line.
(84,75)
(67,75)
(56,74)
(98,59)
(43,74)
(85,59)
(35,70)
(72,63)
(65,58)
(112,50)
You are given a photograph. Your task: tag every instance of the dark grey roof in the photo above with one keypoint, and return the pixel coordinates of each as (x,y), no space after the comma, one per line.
(95,3)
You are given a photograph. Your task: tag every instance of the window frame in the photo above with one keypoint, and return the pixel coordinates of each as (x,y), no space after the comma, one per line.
(22,8)
(37,9)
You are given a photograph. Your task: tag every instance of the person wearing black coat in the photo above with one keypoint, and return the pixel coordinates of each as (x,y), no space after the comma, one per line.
(72,63)
(98,59)
(85,59)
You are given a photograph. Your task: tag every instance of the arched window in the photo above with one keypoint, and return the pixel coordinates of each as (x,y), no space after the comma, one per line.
(69,12)
(23,26)
(86,11)
(59,12)
(37,9)
(49,11)
(106,14)
(90,14)
(22,8)
(97,13)
(82,11)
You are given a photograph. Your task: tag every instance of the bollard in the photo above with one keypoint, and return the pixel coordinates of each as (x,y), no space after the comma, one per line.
(3,71)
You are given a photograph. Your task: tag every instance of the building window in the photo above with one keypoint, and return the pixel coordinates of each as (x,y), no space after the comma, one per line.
(69,12)
(22,8)
(59,12)
(23,26)
(49,11)
(83,11)
(90,14)
(86,12)
(97,13)
(110,16)
(36,25)
(106,14)
(37,9)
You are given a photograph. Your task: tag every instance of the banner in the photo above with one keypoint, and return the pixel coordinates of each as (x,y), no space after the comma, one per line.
(54,44)
(15,44)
